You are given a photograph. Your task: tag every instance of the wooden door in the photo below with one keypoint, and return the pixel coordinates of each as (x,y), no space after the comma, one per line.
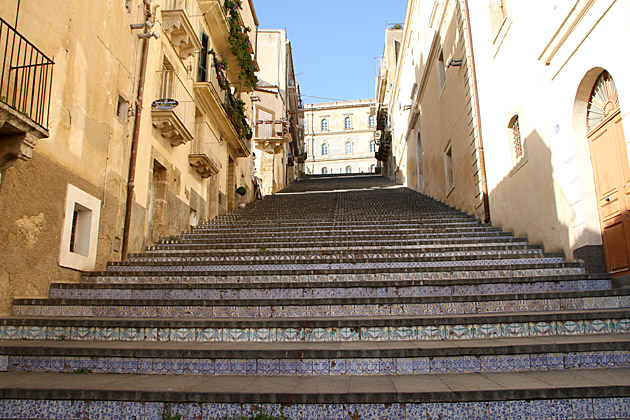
(612,184)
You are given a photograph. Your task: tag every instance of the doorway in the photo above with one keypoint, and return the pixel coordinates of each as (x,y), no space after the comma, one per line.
(611,173)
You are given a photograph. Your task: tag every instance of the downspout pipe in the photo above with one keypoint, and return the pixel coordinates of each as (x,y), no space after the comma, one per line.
(136,133)
(482,160)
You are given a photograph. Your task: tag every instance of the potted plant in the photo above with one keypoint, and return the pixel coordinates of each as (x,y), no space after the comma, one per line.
(241,191)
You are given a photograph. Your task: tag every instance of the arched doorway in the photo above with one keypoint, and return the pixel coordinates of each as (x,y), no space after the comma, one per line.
(611,172)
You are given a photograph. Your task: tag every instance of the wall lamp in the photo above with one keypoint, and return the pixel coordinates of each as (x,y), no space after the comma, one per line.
(454,63)
(148,24)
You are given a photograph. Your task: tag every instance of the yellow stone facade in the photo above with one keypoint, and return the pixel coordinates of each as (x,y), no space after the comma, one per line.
(63,209)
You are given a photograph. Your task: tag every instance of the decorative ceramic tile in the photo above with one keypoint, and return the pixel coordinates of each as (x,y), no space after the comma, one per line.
(603,408)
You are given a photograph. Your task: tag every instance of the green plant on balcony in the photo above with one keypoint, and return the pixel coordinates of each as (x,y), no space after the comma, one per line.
(220,65)
(235,109)
(240,45)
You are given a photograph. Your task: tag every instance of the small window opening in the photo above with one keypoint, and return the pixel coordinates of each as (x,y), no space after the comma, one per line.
(80,233)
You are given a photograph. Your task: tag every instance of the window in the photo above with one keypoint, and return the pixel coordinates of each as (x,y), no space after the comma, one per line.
(372,167)
(498,14)
(324,170)
(122,109)
(372,121)
(202,70)
(515,137)
(325,149)
(324,124)
(373,146)
(79,234)
(441,70)
(348,148)
(347,123)
(448,169)
(348,169)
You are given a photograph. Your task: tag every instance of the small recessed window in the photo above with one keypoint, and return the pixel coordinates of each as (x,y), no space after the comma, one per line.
(325,149)
(441,70)
(348,148)
(80,230)
(515,134)
(348,169)
(348,123)
(324,124)
(122,109)
(324,170)
(448,169)
(372,121)
(373,146)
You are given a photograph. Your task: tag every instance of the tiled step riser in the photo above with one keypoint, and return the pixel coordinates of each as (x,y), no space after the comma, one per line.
(329,292)
(270,268)
(308,278)
(345,228)
(203,310)
(366,257)
(535,409)
(247,334)
(320,367)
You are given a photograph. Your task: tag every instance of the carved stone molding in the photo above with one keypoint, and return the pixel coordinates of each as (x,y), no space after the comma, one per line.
(180,32)
(171,127)
(18,136)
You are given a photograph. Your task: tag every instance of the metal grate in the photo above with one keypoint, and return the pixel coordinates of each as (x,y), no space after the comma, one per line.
(516,138)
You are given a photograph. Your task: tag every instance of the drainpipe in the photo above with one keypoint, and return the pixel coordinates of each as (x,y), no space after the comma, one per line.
(482,160)
(136,131)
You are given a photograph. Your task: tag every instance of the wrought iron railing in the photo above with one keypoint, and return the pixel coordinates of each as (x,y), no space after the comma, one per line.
(171,87)
(205,142)
(26,76)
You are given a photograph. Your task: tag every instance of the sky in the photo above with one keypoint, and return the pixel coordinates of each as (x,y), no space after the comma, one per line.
(335,42)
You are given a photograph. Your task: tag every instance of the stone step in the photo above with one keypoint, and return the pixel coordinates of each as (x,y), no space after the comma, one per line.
(305,267)
(566,394)
(265,257)
(326,244)
(333,329)
(352,289)
(317,359)
(298,249)
(439,274)
(324,307)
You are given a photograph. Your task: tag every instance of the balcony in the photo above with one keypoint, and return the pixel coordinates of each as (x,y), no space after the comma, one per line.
(204,151)
(25,86)
(180,30)
(175,118)
(270,135)
(217,17)
(214,95)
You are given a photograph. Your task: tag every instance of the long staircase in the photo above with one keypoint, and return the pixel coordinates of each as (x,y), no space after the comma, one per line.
(341,298)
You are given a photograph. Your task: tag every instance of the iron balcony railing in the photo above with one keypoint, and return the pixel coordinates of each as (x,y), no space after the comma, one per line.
(25,77)
(171,87)
(205,143)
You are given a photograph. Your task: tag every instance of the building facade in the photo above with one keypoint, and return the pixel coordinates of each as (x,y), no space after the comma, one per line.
(339,137)
(525,128)
(148,126)
(279,126)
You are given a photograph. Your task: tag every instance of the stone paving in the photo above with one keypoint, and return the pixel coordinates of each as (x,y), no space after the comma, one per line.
(340,298)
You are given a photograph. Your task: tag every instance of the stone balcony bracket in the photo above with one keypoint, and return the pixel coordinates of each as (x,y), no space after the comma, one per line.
(18,136)
(171,127)
(180,32)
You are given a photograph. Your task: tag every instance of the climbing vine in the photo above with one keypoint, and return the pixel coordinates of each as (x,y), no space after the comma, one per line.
(240,45)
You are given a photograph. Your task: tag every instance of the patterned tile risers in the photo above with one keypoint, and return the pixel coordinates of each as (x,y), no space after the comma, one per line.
(319,367)
(559,409)
(335,266)
(437,332)
(438,275)
(332,292)
(298,311)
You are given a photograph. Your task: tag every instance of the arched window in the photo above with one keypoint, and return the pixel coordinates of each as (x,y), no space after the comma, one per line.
(372,121)
(348,123)
(373,146)
(515,138)
(372,168)
(348,169)
(324,149)
(324,124)
(324,170)
(348,148)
